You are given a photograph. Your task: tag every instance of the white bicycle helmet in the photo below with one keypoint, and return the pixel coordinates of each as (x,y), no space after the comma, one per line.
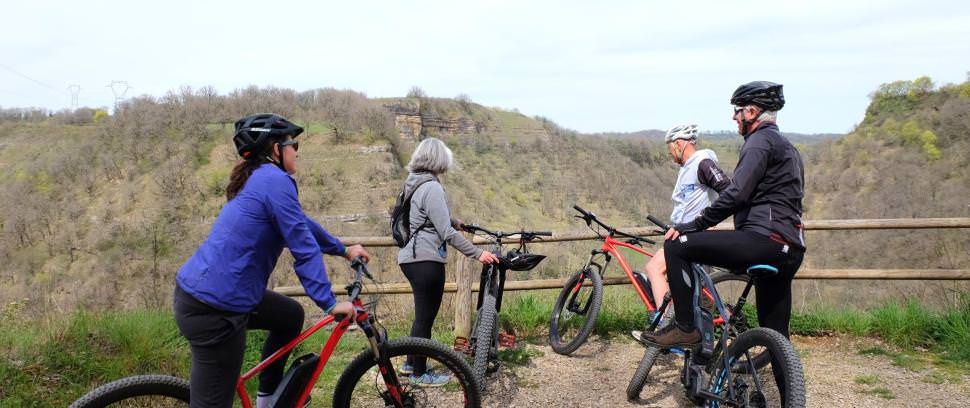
(685,132)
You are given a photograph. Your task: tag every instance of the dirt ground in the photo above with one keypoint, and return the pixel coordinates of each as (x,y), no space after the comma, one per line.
(837,374)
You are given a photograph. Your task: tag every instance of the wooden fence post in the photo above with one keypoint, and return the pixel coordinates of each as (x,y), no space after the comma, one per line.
(463,295)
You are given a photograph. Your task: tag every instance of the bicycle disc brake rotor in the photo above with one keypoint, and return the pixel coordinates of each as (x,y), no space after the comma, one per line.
(757,400)
(407,397)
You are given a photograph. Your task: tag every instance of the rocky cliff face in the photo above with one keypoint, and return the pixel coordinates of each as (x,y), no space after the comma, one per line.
(412,121)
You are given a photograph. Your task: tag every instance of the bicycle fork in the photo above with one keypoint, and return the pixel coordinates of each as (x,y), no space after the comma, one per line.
(572,304)
(378,344)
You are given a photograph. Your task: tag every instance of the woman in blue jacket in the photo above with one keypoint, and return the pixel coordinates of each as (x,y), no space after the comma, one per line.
(221,290)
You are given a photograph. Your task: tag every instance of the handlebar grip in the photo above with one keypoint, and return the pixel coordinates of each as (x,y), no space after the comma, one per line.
(543,233)
(581,210)
(659,223)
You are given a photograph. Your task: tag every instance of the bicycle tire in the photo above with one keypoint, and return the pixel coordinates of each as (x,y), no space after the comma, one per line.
(487,324)
(344,396)
(783,354)
(742,325)
(639,379)
(173,389)
(556,341)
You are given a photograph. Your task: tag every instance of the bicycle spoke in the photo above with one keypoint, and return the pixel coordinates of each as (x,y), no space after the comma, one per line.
(371,390)
(749,387)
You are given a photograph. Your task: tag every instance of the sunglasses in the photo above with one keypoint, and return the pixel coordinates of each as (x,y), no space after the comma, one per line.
(738,109)
(291,142)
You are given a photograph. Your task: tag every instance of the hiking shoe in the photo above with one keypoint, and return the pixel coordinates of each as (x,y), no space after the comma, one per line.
(407,368)
(672,335)
(429,379)
(638,336)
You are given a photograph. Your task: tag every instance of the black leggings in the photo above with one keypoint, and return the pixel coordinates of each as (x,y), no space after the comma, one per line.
(218,343)
(734,250)
(428,284)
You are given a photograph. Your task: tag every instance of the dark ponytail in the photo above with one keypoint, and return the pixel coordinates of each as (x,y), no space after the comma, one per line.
(239,175)
(246,167)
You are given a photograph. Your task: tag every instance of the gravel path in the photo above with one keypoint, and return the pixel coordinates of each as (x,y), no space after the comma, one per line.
(837,374)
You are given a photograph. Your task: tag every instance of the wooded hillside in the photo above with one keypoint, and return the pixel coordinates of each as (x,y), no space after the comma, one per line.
(100,210)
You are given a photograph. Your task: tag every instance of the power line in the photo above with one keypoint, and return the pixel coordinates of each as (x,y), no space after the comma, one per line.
(18,73)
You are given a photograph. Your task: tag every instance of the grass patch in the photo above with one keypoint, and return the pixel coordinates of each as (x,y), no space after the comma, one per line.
(882,392)
(874,351)
(866,379)
(518,356)
(907,325)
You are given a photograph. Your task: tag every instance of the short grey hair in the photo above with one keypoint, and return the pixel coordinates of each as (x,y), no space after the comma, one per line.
(431,155)
(768,116)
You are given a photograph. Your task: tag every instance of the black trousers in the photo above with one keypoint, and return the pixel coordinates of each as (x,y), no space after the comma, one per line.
(218,342)
(733,250)
(428,284)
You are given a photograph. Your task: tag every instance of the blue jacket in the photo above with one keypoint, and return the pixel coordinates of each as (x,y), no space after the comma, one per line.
(231,269)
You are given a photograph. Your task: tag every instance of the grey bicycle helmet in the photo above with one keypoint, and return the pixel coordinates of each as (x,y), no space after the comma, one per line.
(684,132)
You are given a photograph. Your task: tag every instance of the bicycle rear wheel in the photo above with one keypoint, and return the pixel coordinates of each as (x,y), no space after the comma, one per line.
(138,391)
(779,383)
(574,314)
(362,385)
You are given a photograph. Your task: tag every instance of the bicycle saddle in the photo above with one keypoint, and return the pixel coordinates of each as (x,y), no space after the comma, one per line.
(762,271)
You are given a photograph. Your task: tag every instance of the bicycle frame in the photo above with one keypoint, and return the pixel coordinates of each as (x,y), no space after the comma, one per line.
(610,248)
(610,245)
(362,319)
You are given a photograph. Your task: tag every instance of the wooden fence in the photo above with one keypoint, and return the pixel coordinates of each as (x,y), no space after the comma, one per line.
(464,285)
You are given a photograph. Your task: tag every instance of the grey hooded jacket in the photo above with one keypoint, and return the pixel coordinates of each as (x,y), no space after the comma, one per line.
(430,203)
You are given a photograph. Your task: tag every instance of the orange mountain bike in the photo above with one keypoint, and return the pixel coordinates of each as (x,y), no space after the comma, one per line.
(371,379)
(578,305)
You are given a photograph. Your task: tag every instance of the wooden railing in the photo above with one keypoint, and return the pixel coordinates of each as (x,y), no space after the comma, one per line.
(464,286)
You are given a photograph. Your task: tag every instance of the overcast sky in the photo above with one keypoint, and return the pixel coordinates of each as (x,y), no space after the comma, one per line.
(589,66)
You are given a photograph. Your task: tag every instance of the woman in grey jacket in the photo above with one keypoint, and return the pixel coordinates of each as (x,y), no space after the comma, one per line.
(422,259)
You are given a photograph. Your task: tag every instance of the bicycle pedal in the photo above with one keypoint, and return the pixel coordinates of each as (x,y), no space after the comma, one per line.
(462,346)
(506,340)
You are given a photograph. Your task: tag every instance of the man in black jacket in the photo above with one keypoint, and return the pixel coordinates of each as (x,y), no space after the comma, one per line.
(765,198)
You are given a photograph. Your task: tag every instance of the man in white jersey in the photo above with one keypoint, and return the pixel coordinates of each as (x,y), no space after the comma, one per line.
(698,184)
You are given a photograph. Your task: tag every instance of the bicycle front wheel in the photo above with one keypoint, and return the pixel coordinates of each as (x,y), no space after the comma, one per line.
(640,375)
(575,311)
(447,383)
(138,391)
(486,329)
(779,383)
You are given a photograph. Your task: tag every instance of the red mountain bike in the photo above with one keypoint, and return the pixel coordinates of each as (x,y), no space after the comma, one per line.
(371,379)
(578,305)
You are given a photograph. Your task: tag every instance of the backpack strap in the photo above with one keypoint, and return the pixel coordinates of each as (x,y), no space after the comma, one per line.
(427,222)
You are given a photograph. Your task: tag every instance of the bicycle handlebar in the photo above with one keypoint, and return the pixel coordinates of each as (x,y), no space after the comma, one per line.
(525,235)
(590,218)
(359,265)
(659,223)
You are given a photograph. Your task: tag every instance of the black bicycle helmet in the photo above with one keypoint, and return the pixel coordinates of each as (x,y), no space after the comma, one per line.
(254,132)
(763,94)
(517,260)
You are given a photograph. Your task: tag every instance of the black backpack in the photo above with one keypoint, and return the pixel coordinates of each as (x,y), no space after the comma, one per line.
(401,218)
